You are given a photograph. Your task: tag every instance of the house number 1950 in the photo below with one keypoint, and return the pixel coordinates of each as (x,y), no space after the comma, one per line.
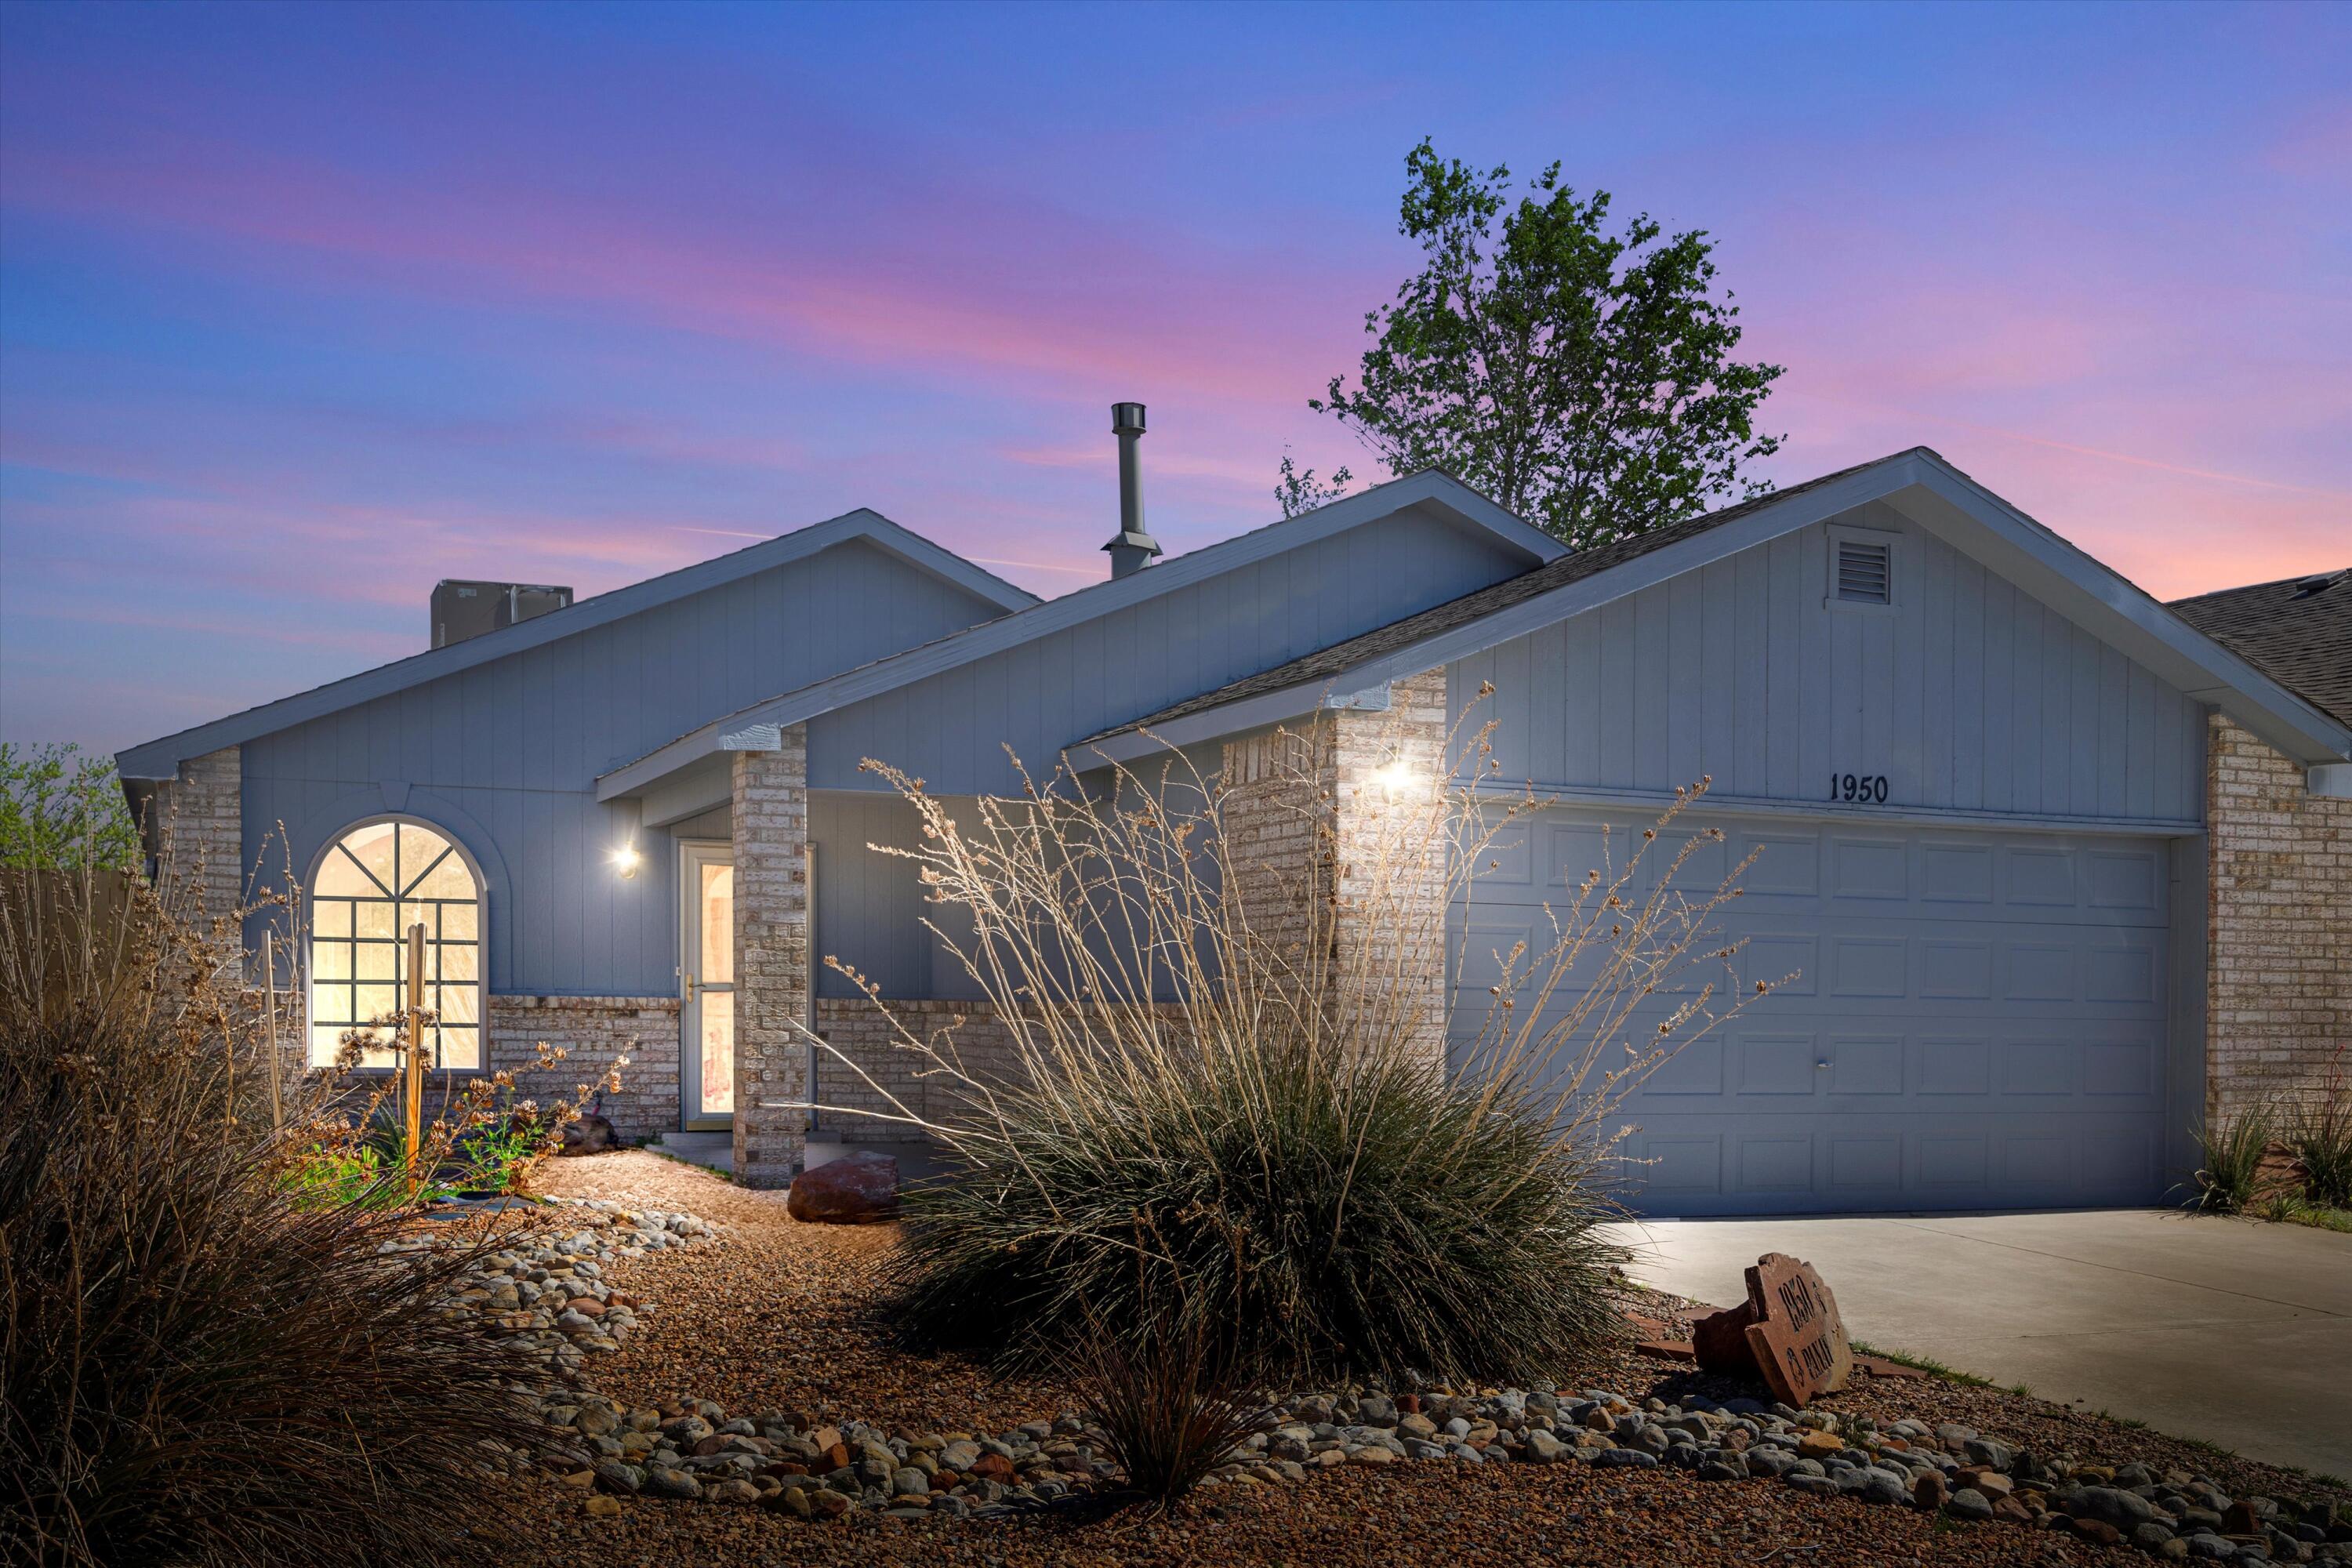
(1864,789)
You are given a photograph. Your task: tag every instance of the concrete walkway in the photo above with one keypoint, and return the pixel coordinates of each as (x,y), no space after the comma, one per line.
(2232,1330)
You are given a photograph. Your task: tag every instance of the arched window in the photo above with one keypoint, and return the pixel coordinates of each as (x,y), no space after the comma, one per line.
(375,882)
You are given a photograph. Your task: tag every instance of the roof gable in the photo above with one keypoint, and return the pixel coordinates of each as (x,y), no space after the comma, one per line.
(1919,483)
(748,728)
(161,759)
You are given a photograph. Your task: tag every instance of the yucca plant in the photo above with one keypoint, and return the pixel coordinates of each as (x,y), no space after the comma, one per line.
(2230,1150)
(1226,1100)
(2320,1133)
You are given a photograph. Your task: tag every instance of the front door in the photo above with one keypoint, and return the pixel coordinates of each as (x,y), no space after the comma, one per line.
(706,971)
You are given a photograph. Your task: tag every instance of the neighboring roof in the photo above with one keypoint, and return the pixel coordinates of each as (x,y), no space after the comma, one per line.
(161,759)
(1458,500)
(1919,481)
(1329,663)
(2297,630)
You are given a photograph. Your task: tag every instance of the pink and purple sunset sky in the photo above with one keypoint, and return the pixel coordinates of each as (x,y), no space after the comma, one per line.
(302,310)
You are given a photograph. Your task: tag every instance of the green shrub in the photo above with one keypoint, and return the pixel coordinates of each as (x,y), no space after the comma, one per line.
(2231,1158)
(60,810)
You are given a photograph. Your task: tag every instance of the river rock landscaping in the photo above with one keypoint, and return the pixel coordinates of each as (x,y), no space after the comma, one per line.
(1947,1472)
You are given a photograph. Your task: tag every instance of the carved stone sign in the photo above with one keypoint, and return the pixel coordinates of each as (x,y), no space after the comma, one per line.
(1788,1330)
(1798,1338)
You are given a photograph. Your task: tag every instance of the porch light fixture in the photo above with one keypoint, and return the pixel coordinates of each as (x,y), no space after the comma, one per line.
(1395,778)
(624,861)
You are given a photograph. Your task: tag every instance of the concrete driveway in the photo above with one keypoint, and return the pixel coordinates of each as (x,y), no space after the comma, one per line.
(2232,1330)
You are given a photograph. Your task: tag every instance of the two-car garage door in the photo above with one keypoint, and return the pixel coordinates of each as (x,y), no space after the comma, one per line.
(1978,1018)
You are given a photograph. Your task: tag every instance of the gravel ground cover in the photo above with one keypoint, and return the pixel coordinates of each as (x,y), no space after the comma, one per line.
(777,1316)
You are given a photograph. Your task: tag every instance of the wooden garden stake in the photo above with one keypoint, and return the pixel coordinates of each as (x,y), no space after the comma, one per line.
(412,1087)
(270,1012)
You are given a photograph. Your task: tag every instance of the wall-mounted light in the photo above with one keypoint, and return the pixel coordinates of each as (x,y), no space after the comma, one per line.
(1395,779)
(624,860)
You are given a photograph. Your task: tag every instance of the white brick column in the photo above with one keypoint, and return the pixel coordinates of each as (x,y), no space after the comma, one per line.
(771,960)
(197,829)
(1322,824)
(1389,853)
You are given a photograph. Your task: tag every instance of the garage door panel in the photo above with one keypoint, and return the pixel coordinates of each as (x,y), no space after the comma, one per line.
(1863,1165)
(1822,1165)
(2128,879)
(1956,873)
(1868,1065)
(1695,1071)
(1974,1019)
(1944,1065)
(1956,969)
(1787,865)
(1777,1053)
(2038,877)
(1869,966)
(1775,1063)
(1872,869)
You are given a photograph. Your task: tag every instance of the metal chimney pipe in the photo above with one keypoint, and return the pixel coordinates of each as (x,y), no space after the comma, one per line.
(1131,549)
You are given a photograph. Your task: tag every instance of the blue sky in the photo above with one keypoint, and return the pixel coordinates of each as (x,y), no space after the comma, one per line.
(304,308)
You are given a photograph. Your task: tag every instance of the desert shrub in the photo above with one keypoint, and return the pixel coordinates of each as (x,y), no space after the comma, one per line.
(2230,1159)
(1414,1222)
(2320,1133)
(1171,1395)
(197,1366)
(1220,1098)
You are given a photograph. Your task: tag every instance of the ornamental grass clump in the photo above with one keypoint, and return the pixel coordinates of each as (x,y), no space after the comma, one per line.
(196,1365)
(1170,1394)
(2230,1150)
(2320,1133)
(1229,1097)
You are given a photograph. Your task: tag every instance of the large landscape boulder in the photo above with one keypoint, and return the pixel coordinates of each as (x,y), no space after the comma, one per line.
(856,1189)
(590,1135)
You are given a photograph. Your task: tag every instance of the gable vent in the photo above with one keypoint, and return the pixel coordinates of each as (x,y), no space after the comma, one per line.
(1864,572)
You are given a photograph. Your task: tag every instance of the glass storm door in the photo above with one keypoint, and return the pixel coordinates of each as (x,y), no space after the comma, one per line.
(707,984)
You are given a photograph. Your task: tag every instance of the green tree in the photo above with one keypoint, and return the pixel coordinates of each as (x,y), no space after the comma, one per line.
(59,809)
(1581,378)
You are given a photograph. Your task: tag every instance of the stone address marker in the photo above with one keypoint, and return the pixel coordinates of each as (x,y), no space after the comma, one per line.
(1797,1336)
(1788,1330)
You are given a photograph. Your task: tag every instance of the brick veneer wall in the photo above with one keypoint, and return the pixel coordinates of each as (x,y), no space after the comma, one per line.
(197,830)
(980,1044)
(2279,947)
(1315,847)
(853,1026)
(771,959)
(594,1030)
(1390,866)
(1275,805)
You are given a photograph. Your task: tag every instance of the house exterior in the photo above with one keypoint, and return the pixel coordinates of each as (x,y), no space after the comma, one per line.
(2019,827)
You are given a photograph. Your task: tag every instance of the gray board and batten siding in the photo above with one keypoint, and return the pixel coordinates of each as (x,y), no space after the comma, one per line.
(1995,1000)
(1967,693)
(1041,694)
(504,754)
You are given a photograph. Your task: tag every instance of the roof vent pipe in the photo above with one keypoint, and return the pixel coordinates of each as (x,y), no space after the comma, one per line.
(1131,549)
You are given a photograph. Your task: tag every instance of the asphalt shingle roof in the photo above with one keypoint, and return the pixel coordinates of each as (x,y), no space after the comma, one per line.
(2298,631)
